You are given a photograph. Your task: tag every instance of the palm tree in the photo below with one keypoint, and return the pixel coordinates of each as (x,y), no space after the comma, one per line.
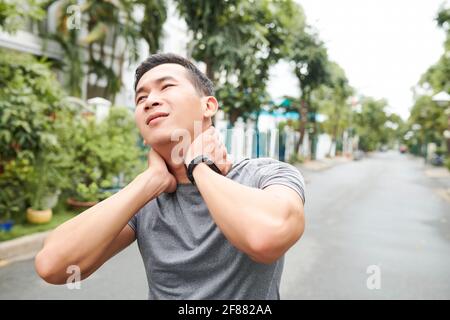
(151,27)
(112,37)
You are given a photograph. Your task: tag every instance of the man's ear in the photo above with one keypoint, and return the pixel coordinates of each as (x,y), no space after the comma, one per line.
(209,106)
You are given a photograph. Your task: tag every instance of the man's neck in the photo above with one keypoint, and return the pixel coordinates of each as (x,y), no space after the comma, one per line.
(176,168)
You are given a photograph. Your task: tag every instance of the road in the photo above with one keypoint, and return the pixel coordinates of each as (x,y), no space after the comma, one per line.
(382,211)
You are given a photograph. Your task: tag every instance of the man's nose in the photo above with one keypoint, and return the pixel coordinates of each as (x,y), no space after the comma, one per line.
(151,103)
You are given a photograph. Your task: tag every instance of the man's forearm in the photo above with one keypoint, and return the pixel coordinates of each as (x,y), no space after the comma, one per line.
(250,218)
(82,239)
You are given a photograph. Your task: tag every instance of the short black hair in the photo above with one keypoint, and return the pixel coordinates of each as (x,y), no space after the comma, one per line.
(202,84)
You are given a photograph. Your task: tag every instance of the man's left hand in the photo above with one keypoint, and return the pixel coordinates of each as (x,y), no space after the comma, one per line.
(208,144)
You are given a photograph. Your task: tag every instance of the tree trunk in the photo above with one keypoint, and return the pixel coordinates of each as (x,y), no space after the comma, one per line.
(333,139)
(89,67)
(209,69)
(303,111)
(113,58)
(335,130)
(234,114)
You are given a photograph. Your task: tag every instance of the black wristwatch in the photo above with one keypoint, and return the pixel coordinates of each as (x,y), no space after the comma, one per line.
(197,160)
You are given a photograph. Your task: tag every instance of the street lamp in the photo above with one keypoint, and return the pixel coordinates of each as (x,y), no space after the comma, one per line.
(443,99)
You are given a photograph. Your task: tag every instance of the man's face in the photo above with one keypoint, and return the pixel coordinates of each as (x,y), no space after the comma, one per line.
(167,92)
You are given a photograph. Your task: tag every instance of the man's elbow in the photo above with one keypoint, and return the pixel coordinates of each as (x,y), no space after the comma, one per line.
(48,268)
(265,251)
(268,248)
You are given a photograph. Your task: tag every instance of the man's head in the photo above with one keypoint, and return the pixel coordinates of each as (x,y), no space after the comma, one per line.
(174,88)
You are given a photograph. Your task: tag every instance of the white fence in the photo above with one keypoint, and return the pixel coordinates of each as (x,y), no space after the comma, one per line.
(243,140)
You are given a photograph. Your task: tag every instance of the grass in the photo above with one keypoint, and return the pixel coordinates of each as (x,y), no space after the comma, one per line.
(19,230)
(296,158)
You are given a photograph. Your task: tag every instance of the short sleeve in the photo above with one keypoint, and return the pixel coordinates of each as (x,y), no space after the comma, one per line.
(138,216)
(133,223)
(274,172)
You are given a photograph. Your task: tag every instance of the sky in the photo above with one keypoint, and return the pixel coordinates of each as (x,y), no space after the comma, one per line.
(384,46)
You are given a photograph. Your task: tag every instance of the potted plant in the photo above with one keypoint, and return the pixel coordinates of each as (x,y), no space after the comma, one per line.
(84,196)
(44,187)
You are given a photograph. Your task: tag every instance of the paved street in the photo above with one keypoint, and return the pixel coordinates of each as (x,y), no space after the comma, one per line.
(381,211)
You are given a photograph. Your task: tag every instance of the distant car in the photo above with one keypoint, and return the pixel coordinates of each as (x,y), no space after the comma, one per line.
(403,149)
(437,160)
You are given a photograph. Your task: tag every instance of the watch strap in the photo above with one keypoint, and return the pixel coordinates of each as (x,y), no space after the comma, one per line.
(196,161)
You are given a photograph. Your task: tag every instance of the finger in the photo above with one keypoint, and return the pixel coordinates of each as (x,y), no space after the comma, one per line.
(221,154)
(217,135)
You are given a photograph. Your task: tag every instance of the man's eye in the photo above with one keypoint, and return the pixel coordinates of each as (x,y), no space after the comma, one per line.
(140,98)
(167,85)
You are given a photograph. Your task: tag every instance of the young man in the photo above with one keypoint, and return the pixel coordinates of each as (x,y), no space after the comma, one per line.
(207,228)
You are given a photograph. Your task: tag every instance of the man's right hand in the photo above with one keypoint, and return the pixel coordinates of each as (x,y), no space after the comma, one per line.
(157,165)
(97,234)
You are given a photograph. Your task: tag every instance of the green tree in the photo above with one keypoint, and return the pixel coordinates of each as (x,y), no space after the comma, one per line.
(438,75)
(15,13)
(370,124)
(395,129)
(239,41)
(215,39)
(277,20)
(310,59)
(151,27)
(431,119)
(332,101)
(425,112)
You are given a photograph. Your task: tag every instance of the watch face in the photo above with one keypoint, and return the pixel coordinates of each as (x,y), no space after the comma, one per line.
(198,160)
(203,159)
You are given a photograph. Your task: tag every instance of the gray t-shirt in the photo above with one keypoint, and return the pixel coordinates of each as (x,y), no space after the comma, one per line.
(185,254)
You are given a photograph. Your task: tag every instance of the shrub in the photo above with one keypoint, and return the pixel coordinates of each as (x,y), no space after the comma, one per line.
(100,153)
(30,97)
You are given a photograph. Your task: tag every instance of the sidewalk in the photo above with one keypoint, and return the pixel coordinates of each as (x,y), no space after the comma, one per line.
(442,176)
(22,248)
(323,164)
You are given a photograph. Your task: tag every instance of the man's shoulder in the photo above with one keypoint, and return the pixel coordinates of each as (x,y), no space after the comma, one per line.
(257,166)
(254,162)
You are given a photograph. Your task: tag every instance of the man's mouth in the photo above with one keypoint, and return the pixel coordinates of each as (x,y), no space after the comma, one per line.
(155,116)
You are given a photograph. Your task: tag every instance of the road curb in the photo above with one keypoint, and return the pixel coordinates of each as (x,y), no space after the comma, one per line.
(323,164)
(21,248)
